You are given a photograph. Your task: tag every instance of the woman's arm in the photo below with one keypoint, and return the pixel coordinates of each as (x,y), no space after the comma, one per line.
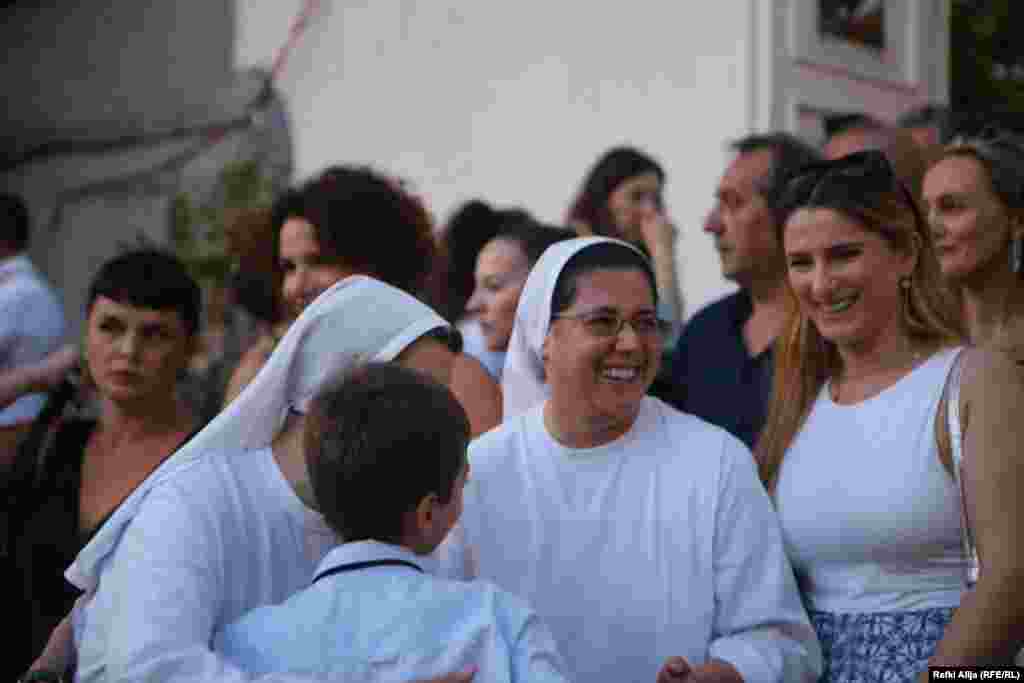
(58,654)
(478,393)
(660,235)
(37,378)
(23,383)
(988,628)
(248,367)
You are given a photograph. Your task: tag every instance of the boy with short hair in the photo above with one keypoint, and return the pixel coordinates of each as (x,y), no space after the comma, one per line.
(386,451)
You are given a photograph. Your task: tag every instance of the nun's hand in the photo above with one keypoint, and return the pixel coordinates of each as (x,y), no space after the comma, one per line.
(461,677)
(678,670)
(674,670)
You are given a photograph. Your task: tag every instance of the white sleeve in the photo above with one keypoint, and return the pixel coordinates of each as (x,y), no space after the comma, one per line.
(12,322)
(535,657)
(761,627)
(29,330)
(31,325)
(163,586)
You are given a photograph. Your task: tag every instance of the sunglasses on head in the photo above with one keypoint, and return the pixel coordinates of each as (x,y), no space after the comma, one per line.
(993,143)
(991,132)
(845,182)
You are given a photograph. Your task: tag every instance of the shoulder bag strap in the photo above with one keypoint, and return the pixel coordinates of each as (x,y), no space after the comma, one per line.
(956,444)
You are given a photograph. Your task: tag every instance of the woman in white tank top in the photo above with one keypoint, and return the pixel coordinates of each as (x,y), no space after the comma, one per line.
(869,509)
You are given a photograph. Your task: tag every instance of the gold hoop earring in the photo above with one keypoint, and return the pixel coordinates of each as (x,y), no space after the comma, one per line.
(906,287)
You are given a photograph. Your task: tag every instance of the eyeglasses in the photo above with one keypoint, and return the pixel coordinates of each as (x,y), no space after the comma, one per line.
(608,325)
(843,182)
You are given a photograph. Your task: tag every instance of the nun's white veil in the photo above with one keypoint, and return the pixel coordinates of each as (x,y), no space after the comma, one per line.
(522,382)
(359,319)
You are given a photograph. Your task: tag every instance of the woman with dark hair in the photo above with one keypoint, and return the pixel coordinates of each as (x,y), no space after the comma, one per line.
(623,197)
(229,522)
(501,270)
(471,227)
(974,195)
(142,321)
(863,434)
(351,220)
(640,534)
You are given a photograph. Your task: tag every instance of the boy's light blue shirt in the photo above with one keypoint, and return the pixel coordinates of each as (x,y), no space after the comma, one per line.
(394,623)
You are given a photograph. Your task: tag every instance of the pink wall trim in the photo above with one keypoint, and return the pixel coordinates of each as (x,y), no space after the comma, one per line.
(850,75)
(884,98)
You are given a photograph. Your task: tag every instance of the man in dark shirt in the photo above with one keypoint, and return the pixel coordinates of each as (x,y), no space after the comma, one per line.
(722,367)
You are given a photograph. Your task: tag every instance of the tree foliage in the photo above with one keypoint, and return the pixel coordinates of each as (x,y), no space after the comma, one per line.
(987,61)
(198,229)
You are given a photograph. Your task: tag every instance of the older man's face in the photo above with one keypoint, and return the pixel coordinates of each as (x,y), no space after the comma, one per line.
(741,222)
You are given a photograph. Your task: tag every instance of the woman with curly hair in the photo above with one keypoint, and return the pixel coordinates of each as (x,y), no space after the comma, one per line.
(352,220)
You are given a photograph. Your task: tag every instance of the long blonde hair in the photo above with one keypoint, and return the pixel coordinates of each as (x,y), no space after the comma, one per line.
(804,360)
(1001,157)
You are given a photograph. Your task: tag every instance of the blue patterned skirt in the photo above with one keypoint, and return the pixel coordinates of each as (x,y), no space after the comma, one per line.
(871,647)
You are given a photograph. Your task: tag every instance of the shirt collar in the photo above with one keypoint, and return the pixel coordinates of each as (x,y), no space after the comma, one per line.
(368,551)
(740,309)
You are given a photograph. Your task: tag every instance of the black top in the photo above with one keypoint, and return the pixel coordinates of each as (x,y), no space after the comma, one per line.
(714,376)
(46,540)
(48,537)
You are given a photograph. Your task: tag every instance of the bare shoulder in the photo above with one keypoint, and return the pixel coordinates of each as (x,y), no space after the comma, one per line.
(992,391)
(991,374)
(251,362)
(478,393)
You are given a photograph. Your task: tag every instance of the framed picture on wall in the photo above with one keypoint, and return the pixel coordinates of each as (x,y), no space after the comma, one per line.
(871,39)
(856,22)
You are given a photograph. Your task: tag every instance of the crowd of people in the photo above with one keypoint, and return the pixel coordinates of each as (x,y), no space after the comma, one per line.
(503,451)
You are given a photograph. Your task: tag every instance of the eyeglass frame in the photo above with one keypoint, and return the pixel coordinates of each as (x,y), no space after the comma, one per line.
(661,326)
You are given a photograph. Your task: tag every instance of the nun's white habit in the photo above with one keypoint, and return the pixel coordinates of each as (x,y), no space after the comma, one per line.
(217,530)
(660,543)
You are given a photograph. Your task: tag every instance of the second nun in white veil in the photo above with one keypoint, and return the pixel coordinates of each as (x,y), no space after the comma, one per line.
(220,527)
(641,535)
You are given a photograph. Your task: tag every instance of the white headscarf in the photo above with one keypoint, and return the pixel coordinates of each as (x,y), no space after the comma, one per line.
(522,383)
(357,320)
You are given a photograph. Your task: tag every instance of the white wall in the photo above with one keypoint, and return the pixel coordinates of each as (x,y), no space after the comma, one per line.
(513,101)
(88,71)
(507,101)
